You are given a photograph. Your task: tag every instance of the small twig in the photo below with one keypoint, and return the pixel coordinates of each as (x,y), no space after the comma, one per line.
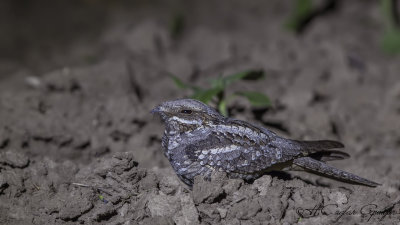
(98,189)
(37,187)
(81,185)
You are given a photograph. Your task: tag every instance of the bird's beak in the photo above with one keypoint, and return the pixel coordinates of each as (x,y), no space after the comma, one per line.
(161,111)
(155,110)
(158,109)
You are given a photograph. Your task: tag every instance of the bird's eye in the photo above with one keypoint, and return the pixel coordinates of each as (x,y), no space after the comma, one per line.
(186,111)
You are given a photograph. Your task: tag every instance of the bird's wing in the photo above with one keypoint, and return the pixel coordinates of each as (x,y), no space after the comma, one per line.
(255,127)
(239,147)
(320,150)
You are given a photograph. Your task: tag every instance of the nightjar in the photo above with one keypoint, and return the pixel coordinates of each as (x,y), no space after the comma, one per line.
(198,141)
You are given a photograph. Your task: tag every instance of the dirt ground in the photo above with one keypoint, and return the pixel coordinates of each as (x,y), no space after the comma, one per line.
(78,80)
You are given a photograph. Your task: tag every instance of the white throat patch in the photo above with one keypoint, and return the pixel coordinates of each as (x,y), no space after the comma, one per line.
(185,121)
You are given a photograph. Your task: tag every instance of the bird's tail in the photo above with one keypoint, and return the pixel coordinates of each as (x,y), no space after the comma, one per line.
(315,166)
(329,155)
(320,150)
(315,146)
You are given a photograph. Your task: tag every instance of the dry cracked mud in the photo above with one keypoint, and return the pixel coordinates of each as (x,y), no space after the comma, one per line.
(79,146)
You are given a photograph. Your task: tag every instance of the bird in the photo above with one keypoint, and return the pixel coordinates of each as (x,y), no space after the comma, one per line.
(199,141)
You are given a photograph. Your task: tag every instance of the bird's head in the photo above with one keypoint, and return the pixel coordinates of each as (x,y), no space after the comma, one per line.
(184,114)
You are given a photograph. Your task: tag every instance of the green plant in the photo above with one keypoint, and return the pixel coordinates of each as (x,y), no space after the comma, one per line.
(217,91)
(306,11)
(391,37)
(302,10)
(177,25)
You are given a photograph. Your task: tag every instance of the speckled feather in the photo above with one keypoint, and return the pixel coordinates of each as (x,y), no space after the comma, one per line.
(198,141)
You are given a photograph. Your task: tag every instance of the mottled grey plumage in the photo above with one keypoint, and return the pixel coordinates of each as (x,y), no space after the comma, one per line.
(198,141)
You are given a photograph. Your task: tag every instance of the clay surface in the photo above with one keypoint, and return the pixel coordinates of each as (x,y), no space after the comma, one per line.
(78,144)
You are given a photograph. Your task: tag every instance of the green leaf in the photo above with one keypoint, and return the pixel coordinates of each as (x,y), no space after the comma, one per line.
(222,108)
(178,82)
(391,42)
(206,95)
(391,38)
(218,83)
(177,25)
(254,75)
(234,77)
(302,9)
(256,99)
(388,11)
(246,75)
